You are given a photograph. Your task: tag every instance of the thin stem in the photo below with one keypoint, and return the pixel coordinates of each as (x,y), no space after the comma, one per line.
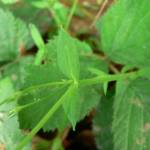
(90,81)
(44,120)
(51,3)
(95,80)
(108,78)
(74,6)
(20,93)
(13,97)
(44,85)
(20,108)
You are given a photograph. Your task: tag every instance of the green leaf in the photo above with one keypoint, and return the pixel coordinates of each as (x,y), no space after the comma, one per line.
(46,74)
(145,72)
(40,4)
(23,10)
(89,95)
(14,34)
(131,115)
(84,98)
(72,105)
(60,13)
(9,1)
(103,123)
(68,55)
(100,73)
(89,99)
(9,128)
(39,43)
(14,70)
(6,88)
(50,52)
(83,47)
(46,117)
(40,102)
(40,95)
(91,65)
(10,133)
(36,36)
(124,31)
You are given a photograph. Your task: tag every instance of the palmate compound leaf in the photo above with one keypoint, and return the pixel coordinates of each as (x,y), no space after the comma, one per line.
(80,106)
(10,135)
(44,98)
(79,103)
(14,35)
(131,124)
(67,51)
(47,74)
(125,32)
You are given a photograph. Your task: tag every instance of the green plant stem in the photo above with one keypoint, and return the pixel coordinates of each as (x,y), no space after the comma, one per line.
(85,82)
(108,78)
(95,80)
(20,108)
(20,93)
(74,6)
(56,19)
(44,85)
(44,120)
(13,97)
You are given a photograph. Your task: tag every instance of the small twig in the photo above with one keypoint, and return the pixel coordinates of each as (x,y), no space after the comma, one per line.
(113,68)
(99,13)
(65,133)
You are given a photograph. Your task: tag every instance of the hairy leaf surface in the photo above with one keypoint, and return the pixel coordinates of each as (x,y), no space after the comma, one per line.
(14,35)
(124,31)
(132,115)
(68,55)
(10,135)
(37,81)
(42,96)
(103,123)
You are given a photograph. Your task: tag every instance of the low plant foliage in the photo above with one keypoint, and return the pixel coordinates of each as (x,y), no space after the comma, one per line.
(65,79)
